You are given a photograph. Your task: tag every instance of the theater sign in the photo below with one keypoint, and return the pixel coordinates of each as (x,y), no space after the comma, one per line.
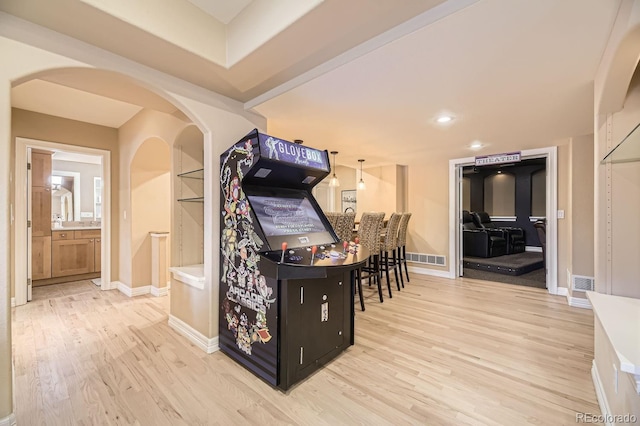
(509,157)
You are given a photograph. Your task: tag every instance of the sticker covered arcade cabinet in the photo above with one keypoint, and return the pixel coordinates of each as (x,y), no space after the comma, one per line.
(285,279)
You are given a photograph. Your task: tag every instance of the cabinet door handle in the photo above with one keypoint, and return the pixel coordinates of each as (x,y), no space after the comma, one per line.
(90,241)
(97,241)
(63,235)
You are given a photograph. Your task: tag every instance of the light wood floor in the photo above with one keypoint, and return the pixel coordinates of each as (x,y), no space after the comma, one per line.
(439,352)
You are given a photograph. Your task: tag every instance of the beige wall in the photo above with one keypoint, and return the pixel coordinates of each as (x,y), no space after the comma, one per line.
(582,205)
(500,195)
(43,127)
(616,113)
(382,190)
(131,136)
(150,204)
(625,204)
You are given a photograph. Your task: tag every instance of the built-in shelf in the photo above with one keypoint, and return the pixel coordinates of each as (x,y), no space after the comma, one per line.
(192,275)
(626,151)
(193,174)
(192,200)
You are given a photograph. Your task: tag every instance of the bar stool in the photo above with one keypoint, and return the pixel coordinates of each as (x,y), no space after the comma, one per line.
(389,248)
(369,235)
(402,243)
(344,226)
(333,219)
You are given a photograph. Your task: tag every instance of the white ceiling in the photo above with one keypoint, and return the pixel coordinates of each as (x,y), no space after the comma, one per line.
(513,73)
(223,11)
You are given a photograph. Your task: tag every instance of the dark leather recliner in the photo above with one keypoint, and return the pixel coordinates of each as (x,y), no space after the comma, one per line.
(478,242)
(514,236)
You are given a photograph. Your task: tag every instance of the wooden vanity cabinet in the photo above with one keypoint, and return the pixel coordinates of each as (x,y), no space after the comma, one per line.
(74,252)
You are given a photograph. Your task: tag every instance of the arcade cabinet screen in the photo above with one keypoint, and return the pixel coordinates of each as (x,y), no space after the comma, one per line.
(291,218)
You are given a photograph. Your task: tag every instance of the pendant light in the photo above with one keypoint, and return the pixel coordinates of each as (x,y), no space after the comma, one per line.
(361,184)
(334,182)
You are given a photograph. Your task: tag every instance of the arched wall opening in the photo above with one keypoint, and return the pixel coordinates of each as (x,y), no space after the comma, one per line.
(150,178)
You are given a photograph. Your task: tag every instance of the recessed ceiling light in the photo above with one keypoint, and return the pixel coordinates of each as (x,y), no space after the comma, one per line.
(444,119)
(476,145)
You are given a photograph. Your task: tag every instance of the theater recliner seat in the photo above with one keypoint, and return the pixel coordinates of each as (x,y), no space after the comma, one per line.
(478,242)
(513,236)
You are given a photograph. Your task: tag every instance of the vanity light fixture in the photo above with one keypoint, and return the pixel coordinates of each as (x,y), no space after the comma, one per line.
(361,185)
(334,182)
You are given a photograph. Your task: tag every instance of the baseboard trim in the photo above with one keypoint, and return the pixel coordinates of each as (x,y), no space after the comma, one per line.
(600,395)
(13,302)
(159,291)
(133,292)
(579,302)
(432,272)
(10,420)
(562,291)
(209,345)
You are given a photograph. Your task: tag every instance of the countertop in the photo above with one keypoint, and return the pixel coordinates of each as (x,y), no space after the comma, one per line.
(620,318)
(76,228)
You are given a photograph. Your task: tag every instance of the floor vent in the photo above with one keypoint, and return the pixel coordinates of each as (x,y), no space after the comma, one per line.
(582,283)
(427,259)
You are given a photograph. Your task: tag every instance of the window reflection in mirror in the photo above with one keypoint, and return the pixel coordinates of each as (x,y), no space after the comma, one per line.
(62,198)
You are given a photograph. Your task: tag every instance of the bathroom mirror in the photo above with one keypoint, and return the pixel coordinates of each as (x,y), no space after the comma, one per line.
(65,196)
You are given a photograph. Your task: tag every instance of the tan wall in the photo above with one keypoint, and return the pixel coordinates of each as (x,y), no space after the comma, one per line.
(6,390)
(43,127)
(131,136)
(582,206)
(381,191)
(428,191)
(500,195)
(564,203)
(625,203)
(150,204)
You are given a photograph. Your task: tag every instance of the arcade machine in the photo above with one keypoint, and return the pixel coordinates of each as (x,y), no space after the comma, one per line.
(286,282)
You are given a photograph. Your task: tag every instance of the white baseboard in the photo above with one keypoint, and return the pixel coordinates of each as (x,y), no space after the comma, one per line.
(159,291)
(600,395)
(115,285)
(209,345)
(13,302)
(533,248)
(133,292)
(10,420)
(428,271)
(578,302)
(97,281)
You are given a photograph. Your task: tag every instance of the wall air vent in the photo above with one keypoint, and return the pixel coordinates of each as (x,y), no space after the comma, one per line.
(582,283)
(427,259)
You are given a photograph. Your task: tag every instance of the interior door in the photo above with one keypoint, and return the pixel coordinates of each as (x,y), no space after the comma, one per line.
(29,229)
(458,212)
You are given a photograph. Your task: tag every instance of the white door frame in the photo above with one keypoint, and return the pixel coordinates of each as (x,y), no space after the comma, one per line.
(455,212)
(20,224)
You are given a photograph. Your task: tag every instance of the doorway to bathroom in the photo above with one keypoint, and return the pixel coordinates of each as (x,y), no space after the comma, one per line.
(62,219)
